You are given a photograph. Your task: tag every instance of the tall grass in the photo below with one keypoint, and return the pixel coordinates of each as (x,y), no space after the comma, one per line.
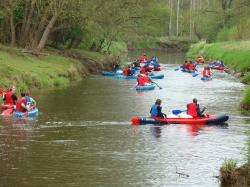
(27,71)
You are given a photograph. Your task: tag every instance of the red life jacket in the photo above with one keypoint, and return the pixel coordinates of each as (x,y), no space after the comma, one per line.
(146,79)
(125,71)
(143,70)
(192,109)
(19,104)
(143,58)
(140,81)
(206,73)
(191,66)
(8,98)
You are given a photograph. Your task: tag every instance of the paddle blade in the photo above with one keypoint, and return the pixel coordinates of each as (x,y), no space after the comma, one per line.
(195,74)
(176,112)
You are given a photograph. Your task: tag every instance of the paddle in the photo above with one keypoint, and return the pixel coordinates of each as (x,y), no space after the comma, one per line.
(155,83)
(177,111)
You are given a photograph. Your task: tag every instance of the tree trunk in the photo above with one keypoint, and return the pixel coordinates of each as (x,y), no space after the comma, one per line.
(170,18)
(46,33)
(12,25)
(177,17)
(27,24)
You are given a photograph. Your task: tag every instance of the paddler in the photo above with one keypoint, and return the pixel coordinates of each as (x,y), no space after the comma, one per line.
(206,72)
(10,97)
(193,109)
(155,110)
(21,104)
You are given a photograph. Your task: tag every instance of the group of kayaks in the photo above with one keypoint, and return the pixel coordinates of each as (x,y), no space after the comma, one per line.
(170,119)
(119,75)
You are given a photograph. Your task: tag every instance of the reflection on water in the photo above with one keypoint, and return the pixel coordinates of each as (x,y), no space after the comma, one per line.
(84,137)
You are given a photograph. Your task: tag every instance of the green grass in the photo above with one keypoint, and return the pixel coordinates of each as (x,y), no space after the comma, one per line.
(46,71)
(246,98)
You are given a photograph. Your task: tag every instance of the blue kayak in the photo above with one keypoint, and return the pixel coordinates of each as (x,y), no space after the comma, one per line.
(111,73)
(146,87)
(188,71)
(155,76)
(206,78)
(30,114)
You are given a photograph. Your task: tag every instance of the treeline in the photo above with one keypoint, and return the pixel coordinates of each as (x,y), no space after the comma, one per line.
(213,20)
(92,24)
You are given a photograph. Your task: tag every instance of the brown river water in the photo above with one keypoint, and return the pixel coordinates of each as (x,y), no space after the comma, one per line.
(83,135)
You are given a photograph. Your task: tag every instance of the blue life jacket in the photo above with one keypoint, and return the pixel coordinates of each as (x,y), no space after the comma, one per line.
(28,100)
(154,110)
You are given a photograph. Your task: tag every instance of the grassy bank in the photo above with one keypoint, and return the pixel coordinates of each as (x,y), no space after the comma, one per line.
(236,55)
(50,70)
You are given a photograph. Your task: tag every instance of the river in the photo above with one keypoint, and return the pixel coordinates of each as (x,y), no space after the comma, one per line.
(83,135)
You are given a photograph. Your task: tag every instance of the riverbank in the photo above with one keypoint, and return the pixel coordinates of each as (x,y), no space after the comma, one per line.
(51,69)
(236,56)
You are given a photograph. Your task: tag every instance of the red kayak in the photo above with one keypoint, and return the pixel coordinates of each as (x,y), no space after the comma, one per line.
(4,107)
(218,68)
(209,119)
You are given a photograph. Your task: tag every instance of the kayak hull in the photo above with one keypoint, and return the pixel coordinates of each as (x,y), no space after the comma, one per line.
(146,87)
(211,119)
(30,114)
(155,76)
(110,73)
(206,78)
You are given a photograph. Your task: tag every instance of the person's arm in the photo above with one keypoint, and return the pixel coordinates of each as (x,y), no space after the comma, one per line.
(199,111)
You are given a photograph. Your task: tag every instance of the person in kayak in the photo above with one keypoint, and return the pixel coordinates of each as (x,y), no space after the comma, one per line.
(127,71)
(206,72)
(143,79)
(185,65)
(10,97)
(31,103)
(143,58)
(155,110)
(191,66)
(21,104)
(144,70)
(193,109)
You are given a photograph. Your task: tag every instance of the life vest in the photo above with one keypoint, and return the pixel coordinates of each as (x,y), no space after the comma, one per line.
(200,60)
(143,70)
(191,67)
(140,81)
(192,109)
(125,71)
(154,110)
(184,66)
(143,58)
(146,79)
(19,104)
(8,98)
(206,73)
